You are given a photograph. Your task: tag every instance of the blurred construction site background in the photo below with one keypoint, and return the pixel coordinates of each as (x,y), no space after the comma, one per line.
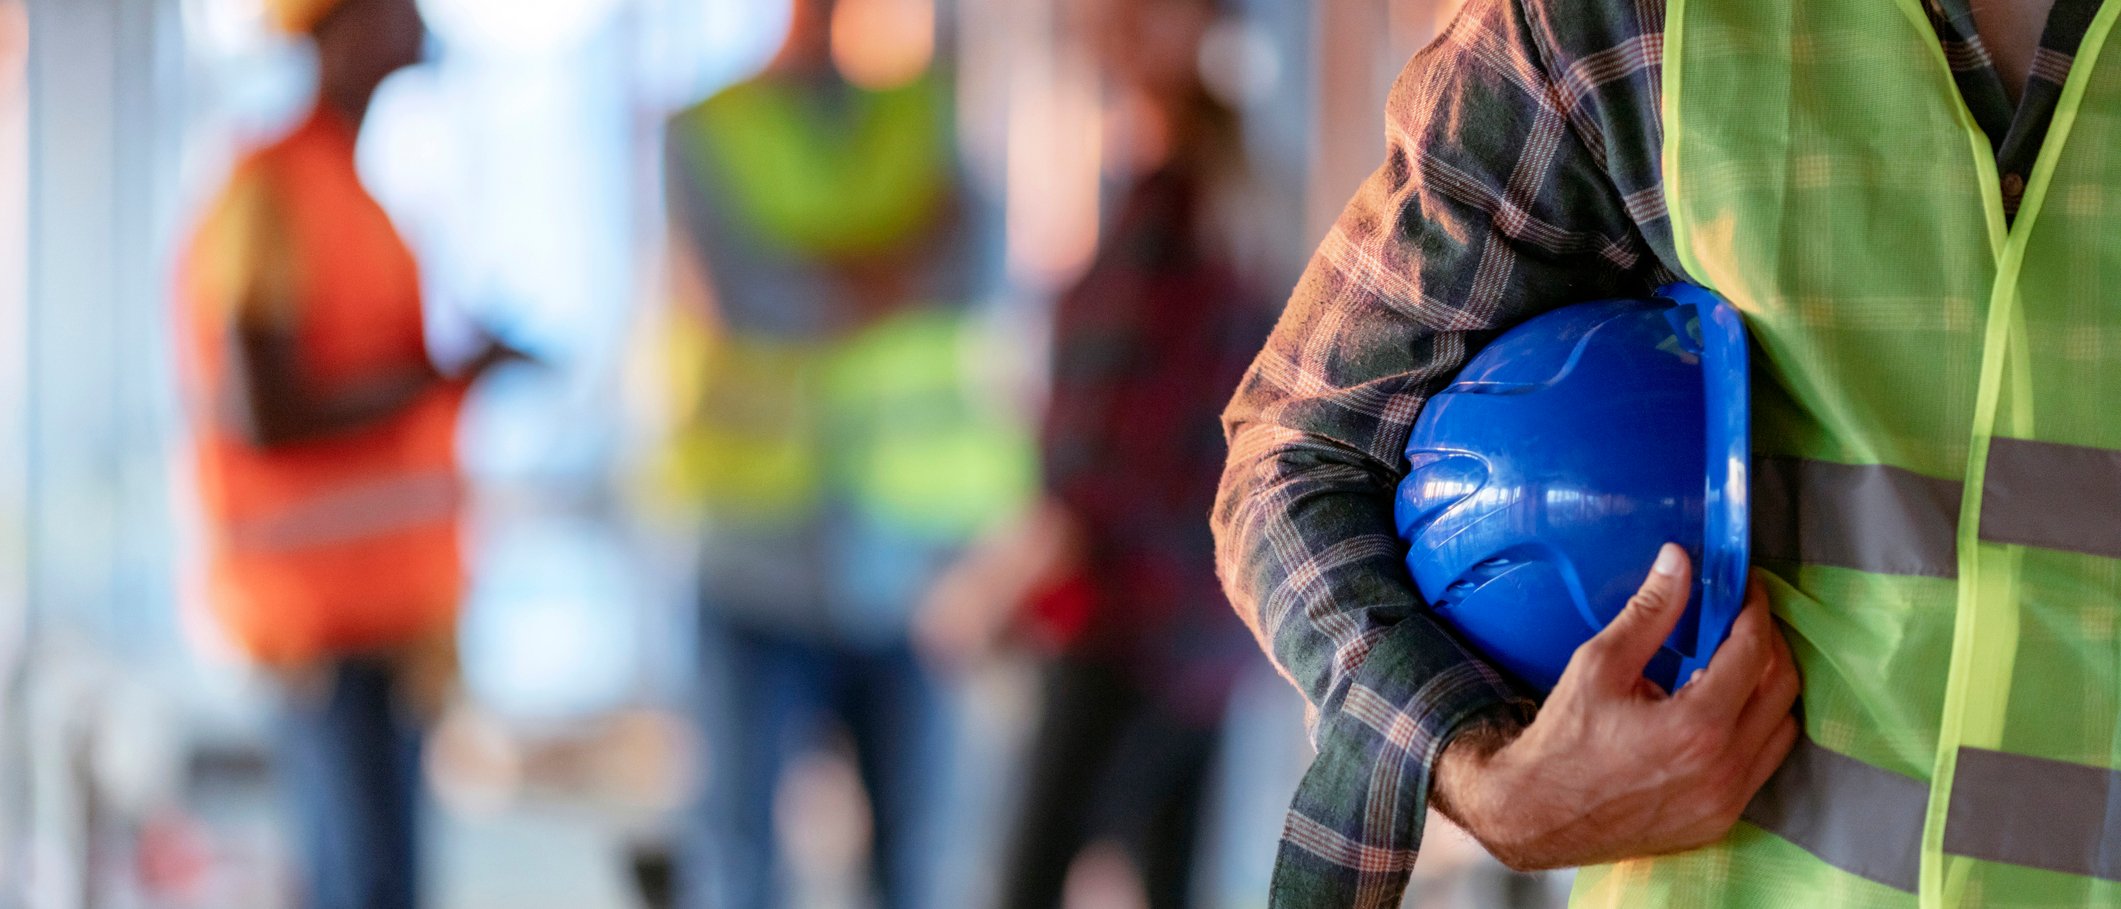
(536,164)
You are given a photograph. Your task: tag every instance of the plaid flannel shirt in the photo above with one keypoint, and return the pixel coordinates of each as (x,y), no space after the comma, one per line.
(1145,347)
(1522,174)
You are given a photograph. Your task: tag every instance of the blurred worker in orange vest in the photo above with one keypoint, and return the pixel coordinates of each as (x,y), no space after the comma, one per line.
(327,470)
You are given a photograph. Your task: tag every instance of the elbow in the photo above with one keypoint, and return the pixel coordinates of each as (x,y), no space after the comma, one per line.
(1244,464)
(1239,521)
(1273,473)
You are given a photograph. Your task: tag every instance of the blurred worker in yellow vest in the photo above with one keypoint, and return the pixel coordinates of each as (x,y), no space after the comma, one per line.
(831,437)
(326,465)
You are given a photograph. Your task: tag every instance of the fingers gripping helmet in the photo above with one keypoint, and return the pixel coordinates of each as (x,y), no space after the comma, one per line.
(1543,480)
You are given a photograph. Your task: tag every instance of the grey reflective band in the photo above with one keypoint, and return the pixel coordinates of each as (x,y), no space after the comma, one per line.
(2035,812)
(391,504)
(2054,496)
(1869,517)
(1886,520)
(1856,817)
(2005,808)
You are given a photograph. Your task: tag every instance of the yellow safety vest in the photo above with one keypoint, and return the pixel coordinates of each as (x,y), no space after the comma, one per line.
(853,180)
(889,418)
(920,447)
(884,419)
(1938,490)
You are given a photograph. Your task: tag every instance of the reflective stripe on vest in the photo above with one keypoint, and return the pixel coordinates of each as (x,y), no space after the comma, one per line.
(2005,808)
(1869,517)
(2054,496)
(1882,519)
(372,509)
(1938,422)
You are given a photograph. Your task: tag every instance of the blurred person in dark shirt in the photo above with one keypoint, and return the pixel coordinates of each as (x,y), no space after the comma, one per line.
(1115,568)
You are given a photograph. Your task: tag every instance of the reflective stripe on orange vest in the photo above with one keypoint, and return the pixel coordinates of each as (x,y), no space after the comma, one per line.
(348,513)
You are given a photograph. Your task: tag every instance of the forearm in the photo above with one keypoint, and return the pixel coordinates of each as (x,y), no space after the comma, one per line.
(274,399)
(1310,560)
(1465,756)
(1489,210)
(1304,557)
(360,404)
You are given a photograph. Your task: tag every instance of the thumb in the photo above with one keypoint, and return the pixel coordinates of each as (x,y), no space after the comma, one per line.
(1625,647)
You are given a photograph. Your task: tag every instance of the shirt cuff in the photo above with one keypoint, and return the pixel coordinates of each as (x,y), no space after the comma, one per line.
(1356,824)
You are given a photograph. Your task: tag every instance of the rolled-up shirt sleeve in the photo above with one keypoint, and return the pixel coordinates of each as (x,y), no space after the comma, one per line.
(1490,207)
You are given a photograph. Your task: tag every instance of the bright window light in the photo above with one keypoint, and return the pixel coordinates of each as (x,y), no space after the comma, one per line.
(512,27)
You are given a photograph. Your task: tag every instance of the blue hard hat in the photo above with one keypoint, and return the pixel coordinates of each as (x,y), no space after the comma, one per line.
(1542,482)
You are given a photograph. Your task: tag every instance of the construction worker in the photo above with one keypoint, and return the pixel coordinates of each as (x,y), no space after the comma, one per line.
(830,438)
(1908,202)
(1115,569)
(326,468)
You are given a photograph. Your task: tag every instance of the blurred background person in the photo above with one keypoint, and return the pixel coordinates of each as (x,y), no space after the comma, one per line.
(1115,567)
(832,439)
(327,472)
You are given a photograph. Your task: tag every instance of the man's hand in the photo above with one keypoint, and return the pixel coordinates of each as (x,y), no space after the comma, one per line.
(978,602)
(1615,768)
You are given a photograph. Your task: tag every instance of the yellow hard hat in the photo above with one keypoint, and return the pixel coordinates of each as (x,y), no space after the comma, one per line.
(297,17)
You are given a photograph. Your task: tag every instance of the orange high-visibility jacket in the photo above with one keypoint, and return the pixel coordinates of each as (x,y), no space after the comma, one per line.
(344,543)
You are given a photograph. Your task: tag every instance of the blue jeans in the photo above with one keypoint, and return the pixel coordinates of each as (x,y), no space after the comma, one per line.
(349,766)
(768,698)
